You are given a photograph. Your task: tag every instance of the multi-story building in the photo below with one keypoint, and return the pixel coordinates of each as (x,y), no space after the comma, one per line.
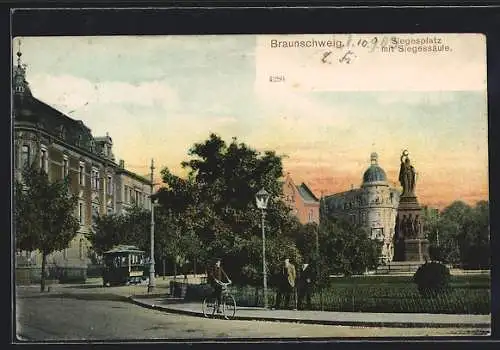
(64,147)
(373,206)
(302,201)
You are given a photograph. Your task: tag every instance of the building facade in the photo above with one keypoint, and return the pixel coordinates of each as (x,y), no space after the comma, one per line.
(65,147)
(374,205)
(302,201)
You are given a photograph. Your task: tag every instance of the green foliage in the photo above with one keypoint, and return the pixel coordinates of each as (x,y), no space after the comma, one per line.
(307,241)
(107,233)
(347,248)
(132,228)
(197,292)
(432,278)
(462,234)
(214,207)
(435,253)
(44,215)
(469,294)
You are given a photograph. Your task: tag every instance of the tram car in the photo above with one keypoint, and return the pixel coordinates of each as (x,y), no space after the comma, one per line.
(124,265)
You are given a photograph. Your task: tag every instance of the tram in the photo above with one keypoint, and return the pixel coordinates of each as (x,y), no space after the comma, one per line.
(124,265)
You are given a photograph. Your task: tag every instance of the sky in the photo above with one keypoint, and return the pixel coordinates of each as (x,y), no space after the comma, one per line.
(331,108)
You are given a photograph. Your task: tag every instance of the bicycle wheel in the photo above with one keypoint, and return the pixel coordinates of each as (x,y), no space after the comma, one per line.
(208,307)
(228,307)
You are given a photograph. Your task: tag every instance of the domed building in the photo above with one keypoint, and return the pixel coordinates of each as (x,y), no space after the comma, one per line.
(373,205)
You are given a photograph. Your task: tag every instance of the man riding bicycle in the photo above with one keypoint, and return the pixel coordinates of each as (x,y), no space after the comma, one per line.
(215,278)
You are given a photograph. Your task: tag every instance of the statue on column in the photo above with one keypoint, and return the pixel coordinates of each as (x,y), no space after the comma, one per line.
(407,175)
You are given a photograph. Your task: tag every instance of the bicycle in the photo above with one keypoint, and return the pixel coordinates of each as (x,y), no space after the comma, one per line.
(228,307)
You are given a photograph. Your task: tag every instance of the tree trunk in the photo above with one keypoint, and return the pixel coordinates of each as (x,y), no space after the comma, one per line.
(194,267)
(42,277)
(175,270)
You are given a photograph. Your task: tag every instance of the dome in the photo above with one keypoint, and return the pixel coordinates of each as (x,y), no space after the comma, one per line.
(374,173)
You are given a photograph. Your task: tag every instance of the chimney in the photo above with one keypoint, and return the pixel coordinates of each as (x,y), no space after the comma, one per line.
(122,164)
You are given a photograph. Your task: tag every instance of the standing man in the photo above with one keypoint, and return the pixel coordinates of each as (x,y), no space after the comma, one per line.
(305,285)
(286,285)
(215,277)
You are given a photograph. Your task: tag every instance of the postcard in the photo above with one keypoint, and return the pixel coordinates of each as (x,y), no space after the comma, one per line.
(201,187)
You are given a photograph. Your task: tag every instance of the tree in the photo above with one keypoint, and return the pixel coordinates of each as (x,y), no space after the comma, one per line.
(307,241)
(44,215)
(347,248)
(475,248)
(131,228)
(464,234)
(216,203)
(106,233)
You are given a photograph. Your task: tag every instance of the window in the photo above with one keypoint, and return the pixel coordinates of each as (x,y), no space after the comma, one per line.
(310,215)
(80,213)
(126,199)
(110,185)
(81,174)
(25,156)
(65,166)
(94,179)
(44,159)
(378,233)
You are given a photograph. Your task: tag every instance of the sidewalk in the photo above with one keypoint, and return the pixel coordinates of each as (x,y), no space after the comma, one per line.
(361,319)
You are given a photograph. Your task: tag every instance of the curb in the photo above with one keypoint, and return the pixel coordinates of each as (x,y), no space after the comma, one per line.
(352,323)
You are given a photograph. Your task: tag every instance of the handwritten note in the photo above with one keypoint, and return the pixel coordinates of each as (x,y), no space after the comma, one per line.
(371,62)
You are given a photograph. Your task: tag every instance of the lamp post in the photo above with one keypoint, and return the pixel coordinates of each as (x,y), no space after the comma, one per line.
(152,282)
(261,198)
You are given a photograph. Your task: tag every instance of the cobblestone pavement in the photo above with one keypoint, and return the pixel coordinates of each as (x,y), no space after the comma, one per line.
(105,314)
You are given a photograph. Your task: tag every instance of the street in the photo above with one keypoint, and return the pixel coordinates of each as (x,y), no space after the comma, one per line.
(90,315)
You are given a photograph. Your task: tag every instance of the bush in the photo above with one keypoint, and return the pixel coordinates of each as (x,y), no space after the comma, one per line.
(197,292)
(436,253)
(432,278)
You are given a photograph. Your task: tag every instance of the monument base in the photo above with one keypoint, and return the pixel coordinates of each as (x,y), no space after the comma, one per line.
(408,203)
(399,267)
(416,249)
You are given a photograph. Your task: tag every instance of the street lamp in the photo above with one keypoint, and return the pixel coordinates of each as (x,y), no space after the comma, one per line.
(261,198)
(152,282)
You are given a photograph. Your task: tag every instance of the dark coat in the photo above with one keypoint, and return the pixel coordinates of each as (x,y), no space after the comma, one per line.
(307,277)
(216,273)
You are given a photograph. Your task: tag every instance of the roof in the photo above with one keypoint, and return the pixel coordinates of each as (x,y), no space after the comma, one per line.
(306,193)
(374,173)
(138,177)
(32,110)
